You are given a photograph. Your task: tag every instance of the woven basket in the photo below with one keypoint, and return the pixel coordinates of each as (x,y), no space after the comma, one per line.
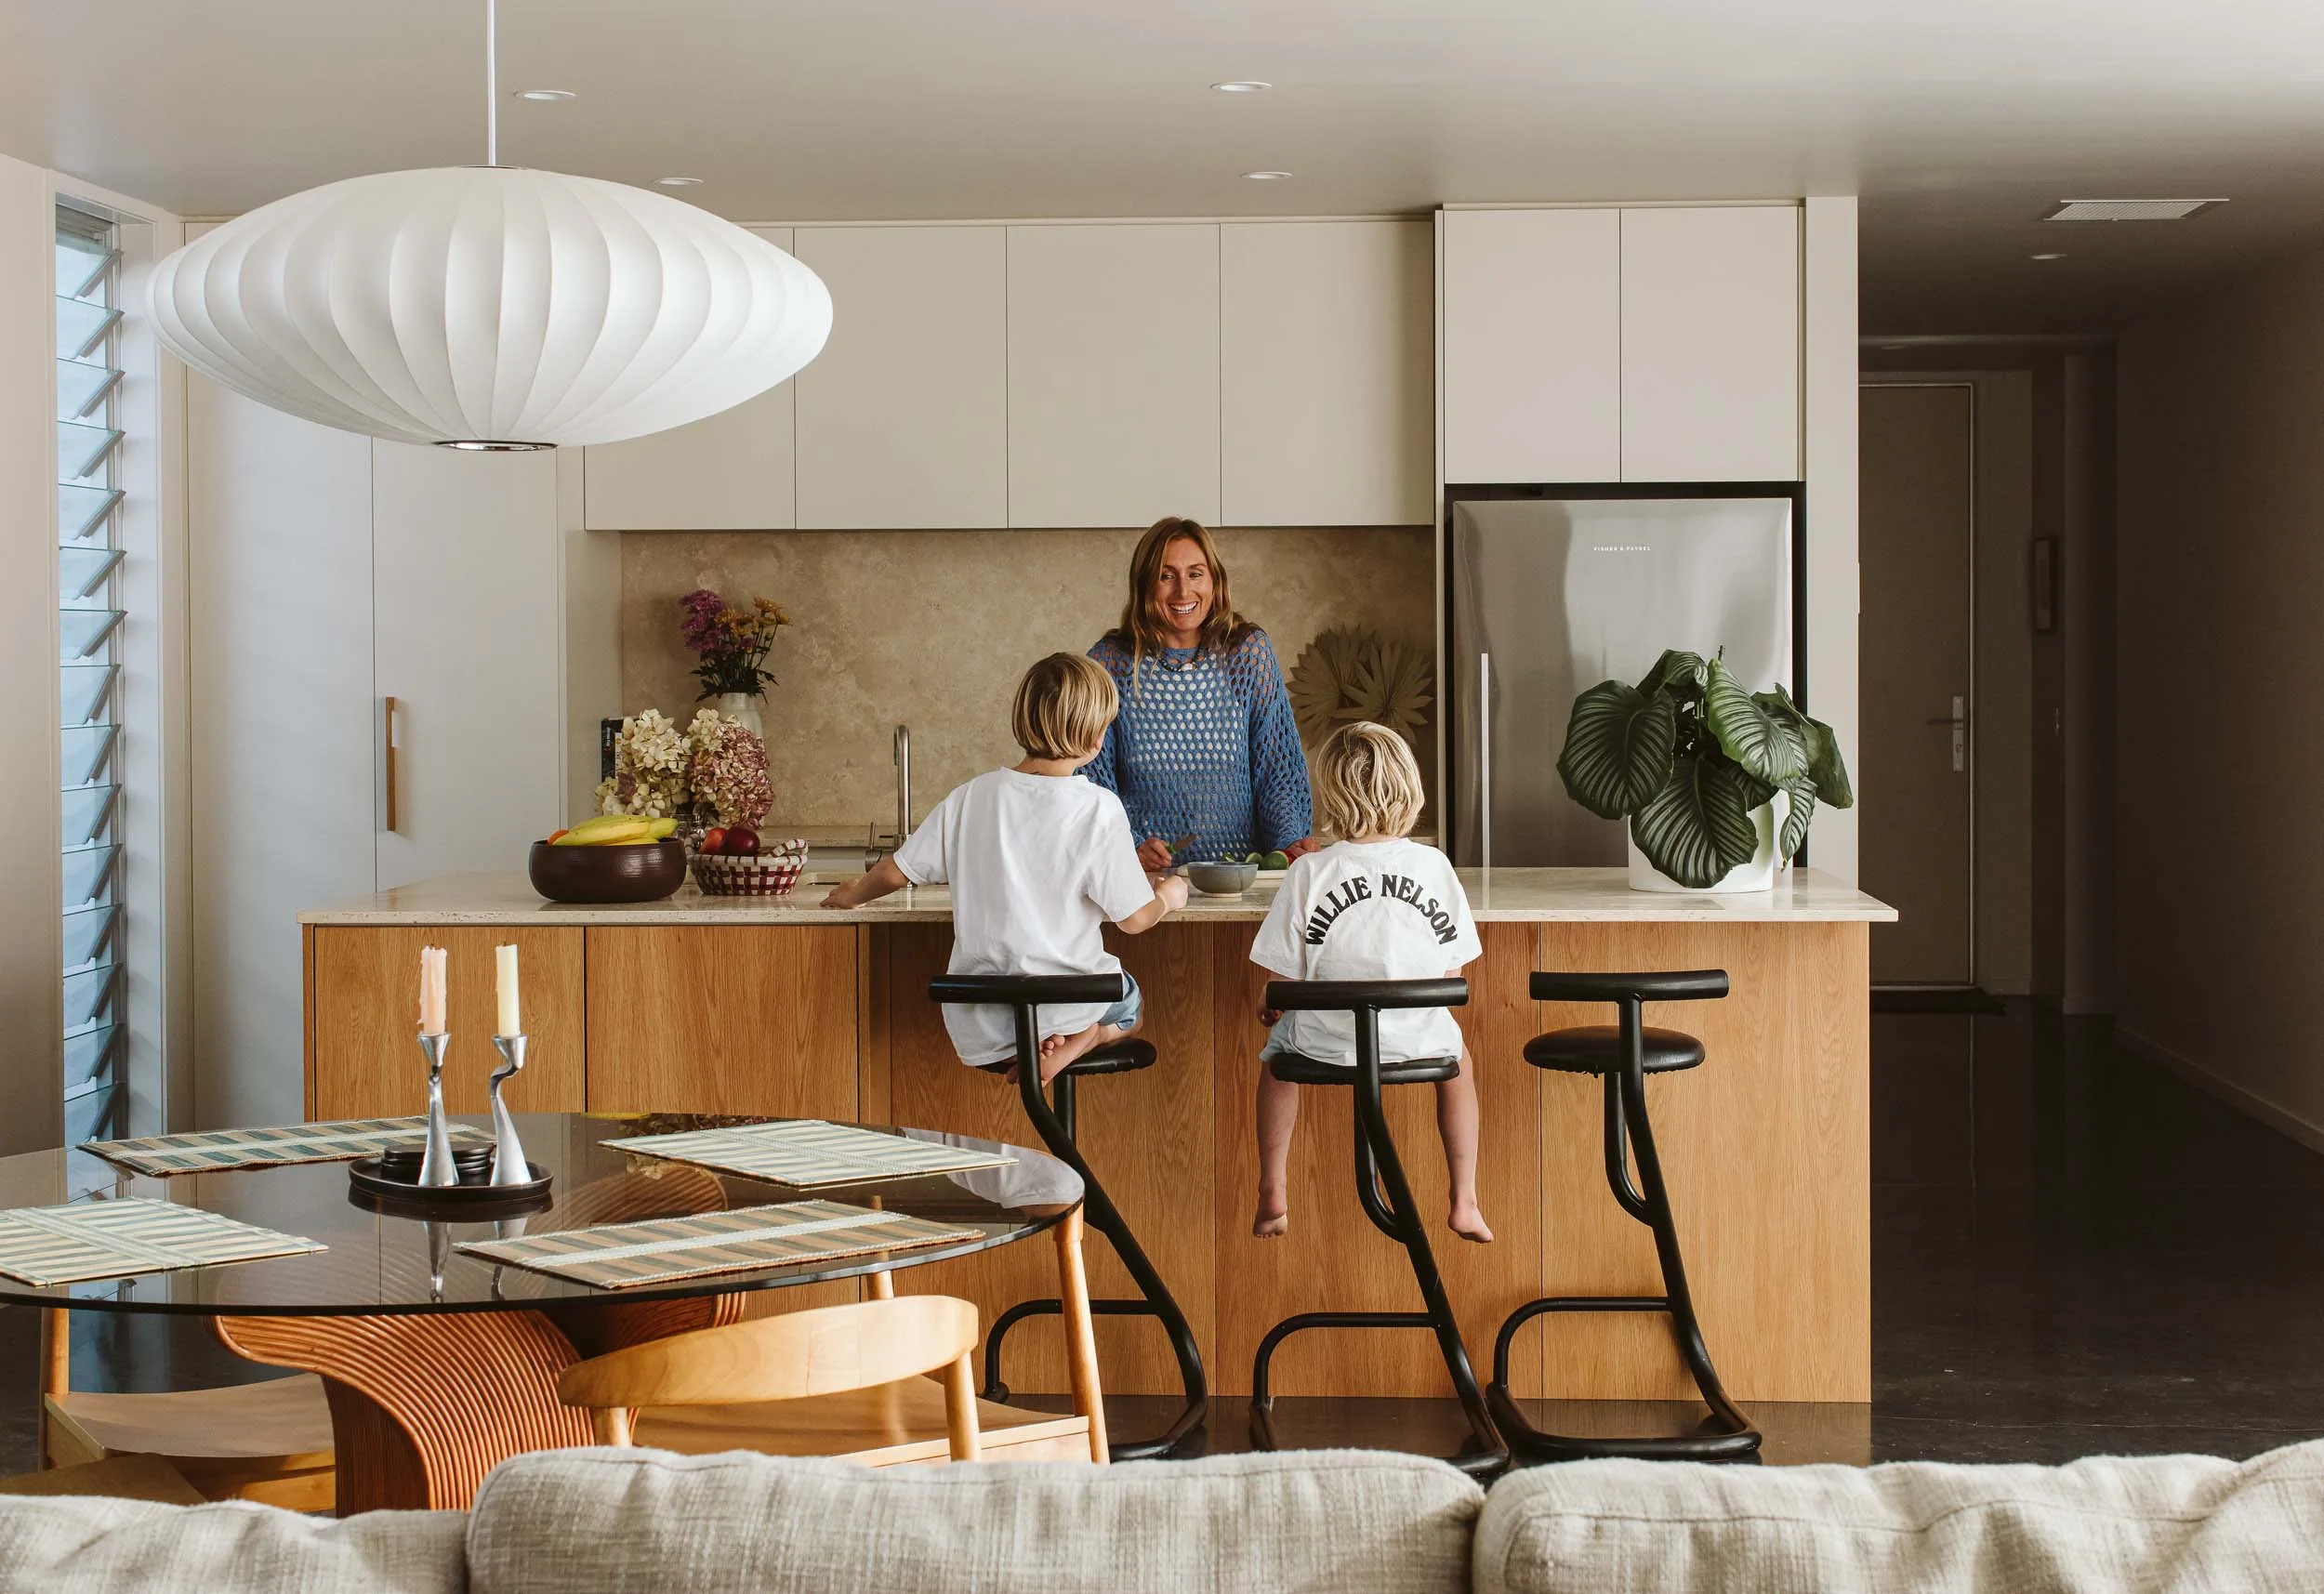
(771,873)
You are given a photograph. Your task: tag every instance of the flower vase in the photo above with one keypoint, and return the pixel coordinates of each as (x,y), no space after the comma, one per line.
(743,708)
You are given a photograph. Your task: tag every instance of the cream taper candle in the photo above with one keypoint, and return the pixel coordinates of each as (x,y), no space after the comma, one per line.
(431,990)
(505,959)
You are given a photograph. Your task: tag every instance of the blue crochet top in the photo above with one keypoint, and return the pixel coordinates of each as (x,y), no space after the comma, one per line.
(1206,745)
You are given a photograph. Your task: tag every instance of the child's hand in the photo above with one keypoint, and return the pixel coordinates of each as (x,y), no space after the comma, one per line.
(1268,1016)
(1171,889)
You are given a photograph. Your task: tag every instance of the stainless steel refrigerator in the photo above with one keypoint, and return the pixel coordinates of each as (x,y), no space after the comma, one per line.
(1550,591)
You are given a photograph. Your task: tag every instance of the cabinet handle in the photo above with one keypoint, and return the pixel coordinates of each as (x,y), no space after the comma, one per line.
(387,737)
(1484,761)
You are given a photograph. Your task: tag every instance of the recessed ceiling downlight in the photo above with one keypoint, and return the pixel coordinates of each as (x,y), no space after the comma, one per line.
(2129,209)
(679,182)
(1243,85)
(2052,255)
(1266,177)
(546,94)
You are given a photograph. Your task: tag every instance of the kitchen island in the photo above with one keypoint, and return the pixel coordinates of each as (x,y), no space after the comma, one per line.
(738,1004)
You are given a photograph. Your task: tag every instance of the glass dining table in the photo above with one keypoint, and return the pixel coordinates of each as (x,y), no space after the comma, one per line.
(440,1362)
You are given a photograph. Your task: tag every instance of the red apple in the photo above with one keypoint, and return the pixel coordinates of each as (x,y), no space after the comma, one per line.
(714,840)
(742,842)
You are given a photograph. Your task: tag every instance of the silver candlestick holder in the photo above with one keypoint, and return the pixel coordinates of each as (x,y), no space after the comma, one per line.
(436,1167)
(508,1163)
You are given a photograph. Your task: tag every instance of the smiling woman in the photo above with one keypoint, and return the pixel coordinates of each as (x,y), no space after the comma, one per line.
(1205,754)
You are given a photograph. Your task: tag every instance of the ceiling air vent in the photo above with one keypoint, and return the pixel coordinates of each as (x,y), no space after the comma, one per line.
(2129,209)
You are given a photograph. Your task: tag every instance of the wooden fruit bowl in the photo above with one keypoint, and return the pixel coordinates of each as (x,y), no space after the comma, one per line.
(643,872)
(771,873)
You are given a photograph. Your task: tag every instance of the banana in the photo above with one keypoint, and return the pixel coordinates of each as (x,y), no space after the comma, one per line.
(612,830)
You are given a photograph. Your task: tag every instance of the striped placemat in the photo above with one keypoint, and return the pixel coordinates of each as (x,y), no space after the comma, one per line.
(808,1154)
(621,1255)
(109,1239)
(213,1151)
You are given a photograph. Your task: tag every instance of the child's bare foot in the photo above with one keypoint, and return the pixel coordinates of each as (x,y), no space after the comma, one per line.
(1057,1051)
(1468,1222)
(1274,1218)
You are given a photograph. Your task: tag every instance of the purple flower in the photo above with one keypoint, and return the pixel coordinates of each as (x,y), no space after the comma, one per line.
(701,610)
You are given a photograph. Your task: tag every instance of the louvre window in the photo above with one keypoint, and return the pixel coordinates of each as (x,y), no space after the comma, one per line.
(89,623)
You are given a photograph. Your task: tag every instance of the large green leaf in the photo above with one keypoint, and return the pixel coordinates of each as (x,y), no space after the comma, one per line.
(1763,741)
(1798,815)
(1619,744)
(1699,827)
(1674,670)
(1823,762)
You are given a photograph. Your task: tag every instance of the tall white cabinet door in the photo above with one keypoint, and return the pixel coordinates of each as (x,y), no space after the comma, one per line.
(1532,352)
(903,417)
(465,571)
(728,472)
(1711,344)
(1328,379)
(1112,373)
(285,729)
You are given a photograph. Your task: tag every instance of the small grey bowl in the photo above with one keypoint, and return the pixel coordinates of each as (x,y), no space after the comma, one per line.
(1221,879)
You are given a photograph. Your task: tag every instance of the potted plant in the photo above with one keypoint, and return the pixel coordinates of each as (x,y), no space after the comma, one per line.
(1716,783)
(730,647)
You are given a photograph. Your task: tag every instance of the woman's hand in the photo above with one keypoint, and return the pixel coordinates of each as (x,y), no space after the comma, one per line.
(1301,848)
(1153,855)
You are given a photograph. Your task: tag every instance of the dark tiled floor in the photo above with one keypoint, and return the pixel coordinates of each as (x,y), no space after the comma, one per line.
(2074,1254)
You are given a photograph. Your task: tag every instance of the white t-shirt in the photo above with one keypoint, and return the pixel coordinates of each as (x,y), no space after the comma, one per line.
(1038,864)
(1381,910)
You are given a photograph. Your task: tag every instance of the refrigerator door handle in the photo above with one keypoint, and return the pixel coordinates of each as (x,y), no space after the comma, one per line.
(1484,760)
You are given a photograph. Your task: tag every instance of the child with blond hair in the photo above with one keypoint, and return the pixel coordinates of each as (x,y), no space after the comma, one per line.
(1375,904)
(1038,860)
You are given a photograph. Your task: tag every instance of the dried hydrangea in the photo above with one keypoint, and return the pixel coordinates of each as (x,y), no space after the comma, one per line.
(650,760)
(727,771)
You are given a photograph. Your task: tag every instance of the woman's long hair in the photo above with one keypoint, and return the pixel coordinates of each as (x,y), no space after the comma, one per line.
(1142,619)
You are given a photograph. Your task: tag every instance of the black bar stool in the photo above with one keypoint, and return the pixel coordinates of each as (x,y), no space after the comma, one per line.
(1025,995)
(1623,1055)
(1394,1213)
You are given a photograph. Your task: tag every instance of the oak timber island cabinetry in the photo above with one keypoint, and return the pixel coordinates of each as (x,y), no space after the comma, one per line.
(730,1004)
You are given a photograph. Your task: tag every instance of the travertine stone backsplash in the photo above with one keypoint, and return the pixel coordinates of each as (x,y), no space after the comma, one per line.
(932,629)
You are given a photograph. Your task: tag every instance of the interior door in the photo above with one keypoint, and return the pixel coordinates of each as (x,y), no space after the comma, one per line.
(1918,747)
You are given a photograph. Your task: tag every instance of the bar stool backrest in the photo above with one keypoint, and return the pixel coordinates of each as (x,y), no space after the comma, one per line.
(1025,989)
(1676,985)
(1349,995)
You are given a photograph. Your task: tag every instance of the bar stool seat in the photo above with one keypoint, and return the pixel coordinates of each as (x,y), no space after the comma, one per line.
(1380,1189)
(1622,1056)
(1293,1069)
(1055,1117)
(1598,1048)
(1125,1056)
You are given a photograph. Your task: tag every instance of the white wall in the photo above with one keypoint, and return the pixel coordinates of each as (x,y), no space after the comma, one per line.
(30,1065)
(1828,285)
(2220,652)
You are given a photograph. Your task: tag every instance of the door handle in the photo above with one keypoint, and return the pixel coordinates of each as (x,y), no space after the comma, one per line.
(1958,720)
(1484,760)
(387,757)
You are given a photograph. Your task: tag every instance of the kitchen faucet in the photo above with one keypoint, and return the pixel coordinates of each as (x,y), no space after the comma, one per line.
(903,782)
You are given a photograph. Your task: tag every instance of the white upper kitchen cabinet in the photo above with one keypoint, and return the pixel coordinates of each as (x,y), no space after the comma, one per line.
(903,420)
(729,472)
(1327,380)
(1532,345)
(468,636)
(1112,373)
(1711,344)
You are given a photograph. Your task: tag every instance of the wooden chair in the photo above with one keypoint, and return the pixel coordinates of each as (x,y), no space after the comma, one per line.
(266,1441)
(870,1345)
(116,1478)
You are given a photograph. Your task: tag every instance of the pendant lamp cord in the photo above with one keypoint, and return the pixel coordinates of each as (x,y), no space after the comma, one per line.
(492,84)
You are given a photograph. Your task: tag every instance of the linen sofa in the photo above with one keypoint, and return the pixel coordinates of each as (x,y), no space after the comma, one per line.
(1314,1522)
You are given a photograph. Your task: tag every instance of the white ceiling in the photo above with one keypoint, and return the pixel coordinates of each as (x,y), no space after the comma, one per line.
(1959,121)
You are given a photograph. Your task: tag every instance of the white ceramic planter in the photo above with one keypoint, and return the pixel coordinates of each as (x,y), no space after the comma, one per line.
(742,707)
(1758,875)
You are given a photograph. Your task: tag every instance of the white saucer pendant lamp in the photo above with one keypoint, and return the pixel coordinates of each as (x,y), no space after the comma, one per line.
(486,307)
(490,307)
